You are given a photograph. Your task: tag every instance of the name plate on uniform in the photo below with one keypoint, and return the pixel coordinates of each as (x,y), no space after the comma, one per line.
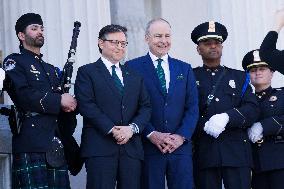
(5,133)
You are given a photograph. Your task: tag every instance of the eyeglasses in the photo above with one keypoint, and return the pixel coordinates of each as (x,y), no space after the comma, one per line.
(123,44)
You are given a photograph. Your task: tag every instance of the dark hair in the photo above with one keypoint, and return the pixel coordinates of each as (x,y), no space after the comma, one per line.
(112,28)
(21,46)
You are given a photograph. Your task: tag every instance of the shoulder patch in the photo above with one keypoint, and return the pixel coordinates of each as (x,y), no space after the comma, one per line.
(9,64)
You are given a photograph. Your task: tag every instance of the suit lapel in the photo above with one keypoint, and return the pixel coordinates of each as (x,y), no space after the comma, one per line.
(107,77)
(150,70)
(127,80)
(173,75)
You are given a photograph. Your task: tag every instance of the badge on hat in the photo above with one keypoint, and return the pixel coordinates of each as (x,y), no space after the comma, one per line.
(256,57)
(10,64)
(211,26)
(273,98)
(232,84)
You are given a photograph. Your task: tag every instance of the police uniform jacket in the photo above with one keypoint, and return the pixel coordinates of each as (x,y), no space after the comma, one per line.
(32,84)
(232,147)
(269,155)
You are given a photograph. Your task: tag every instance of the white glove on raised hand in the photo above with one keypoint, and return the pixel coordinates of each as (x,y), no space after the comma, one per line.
(255,133)
(216,124)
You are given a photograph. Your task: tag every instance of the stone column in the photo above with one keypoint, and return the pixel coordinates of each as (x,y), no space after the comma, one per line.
(131,14)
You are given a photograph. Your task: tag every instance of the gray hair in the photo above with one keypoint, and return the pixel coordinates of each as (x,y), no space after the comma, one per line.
(152,22)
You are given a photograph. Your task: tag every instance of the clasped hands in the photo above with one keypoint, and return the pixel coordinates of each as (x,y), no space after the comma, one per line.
(122,134)
(68,103)
(166,142)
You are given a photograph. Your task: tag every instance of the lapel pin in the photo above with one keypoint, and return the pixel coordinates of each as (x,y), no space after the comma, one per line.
(180,77)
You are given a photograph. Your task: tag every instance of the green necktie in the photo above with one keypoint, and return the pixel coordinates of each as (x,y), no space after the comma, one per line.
(116,80)
(161,75)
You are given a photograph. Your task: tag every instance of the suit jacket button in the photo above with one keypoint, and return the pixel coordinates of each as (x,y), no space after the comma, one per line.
(122,107)
(166,122)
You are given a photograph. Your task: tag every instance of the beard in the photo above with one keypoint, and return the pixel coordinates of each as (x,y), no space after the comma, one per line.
(34,42)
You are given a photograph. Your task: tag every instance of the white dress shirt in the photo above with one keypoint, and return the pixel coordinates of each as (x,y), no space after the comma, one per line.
(109,65)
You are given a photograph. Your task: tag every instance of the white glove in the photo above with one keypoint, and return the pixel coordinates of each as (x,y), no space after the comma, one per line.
(216,124)
(2,77)
(211,130)
(255,133)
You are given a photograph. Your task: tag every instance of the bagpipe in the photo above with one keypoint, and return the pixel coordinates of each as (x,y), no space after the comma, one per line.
(67,121)
(66,75)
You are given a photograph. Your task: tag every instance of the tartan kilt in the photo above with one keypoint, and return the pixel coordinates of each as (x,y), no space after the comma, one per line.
(30,171)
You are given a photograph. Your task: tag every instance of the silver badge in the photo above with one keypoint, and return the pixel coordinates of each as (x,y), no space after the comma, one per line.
(232,84)
(273,98)
(256,57)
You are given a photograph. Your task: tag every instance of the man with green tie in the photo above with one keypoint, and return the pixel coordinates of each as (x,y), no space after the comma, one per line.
(115,108)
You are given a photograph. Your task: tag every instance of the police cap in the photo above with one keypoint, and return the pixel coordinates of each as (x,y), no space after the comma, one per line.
(27,19)
(252,59)
(209,30)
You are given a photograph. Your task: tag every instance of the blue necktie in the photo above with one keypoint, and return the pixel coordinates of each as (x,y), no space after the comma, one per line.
(161,75)
(116,80)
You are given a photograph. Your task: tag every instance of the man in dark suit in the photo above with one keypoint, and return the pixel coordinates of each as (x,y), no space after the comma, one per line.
(227,107)
(115,107)
(172,88)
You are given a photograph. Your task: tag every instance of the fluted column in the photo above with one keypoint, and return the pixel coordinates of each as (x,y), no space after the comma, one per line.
(132,15)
